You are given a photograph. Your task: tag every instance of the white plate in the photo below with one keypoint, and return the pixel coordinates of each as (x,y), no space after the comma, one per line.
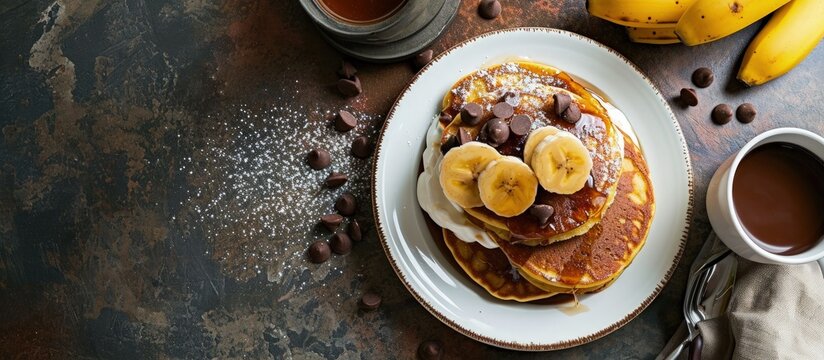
(438,285)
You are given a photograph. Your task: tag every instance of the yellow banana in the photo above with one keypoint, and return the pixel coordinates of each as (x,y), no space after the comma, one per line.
(709,20)
(639,13)
(652,35)
(789,36)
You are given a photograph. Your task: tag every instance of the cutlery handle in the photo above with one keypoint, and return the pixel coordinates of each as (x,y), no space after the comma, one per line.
(821,265)
(695,348)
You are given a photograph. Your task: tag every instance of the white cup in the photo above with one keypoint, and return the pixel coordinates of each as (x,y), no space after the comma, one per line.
(721,211)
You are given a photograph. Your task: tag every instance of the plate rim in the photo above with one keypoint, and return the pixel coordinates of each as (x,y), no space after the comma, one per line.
(513,345)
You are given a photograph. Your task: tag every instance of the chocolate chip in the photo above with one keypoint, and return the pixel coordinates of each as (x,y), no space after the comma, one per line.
(335,180)
(331,221)
(520,124)
(346,204)
(345,121)
(560,102)
(369,301)
(319,159)
(721,114)
(463,136)
(361,147)
(702,77)
(423,58)
(489,9)
(745,113)
(572,114)
(430,350)
(319,252)
(451,142)
(511,98)
(340,243)
(543,213)
(350,88)
(496,131)
(689,97)
(503,110)
(471,114)
(347,70)
(354,230)
(444,117)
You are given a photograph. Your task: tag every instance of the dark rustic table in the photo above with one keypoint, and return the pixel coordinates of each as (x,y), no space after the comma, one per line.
(155,202)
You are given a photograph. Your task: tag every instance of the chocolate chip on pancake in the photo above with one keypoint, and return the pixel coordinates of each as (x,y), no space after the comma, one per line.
(369,301)
(463,136)
(471,113)
(430,350)
(721,114)
(331,221)
(336,180)
(346,204)
(560,102)
(350,88)
(495,132)
(511,98)
(340,243)
(345,121)
(319,159)
(702,77)
(354,230)
(503,110)
(745,113)
(543,213)
(520,124)
(689,97)
(361,147)
(572,114)
(489,9)
(445,118)
(423,58)
(319,252)
(451,142)
(347,70)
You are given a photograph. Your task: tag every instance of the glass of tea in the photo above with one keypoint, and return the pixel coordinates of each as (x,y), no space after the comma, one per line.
(766,202)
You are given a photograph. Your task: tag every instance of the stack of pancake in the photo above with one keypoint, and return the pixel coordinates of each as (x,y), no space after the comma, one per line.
(593,233)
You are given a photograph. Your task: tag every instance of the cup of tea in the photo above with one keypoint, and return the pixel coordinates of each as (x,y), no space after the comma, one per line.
(766,202)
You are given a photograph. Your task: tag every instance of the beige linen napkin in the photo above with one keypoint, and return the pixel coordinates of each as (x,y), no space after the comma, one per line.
(776,312)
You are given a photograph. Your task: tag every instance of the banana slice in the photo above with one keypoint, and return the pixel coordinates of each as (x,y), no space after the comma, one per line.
(508,186)
(535,138)
(460,169)
(562,163)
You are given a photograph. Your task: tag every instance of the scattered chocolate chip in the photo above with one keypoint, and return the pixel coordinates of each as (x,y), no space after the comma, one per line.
(745,113)
(520,124)
(463,136)
(430,350)
(543,213)
(369,301)
(335,180)
(503,110)
(340,243)
(347,70)
(331,221)
(496,132)
(471,114)
(560,102)
(702,77)
(451,142)
(444,117)
(346,204)
(350,88)
(319,252)
(572,114)
(319,159)
(489,9)
(361,147)
(511,98)
(423,58)
(354,230)
(689,97)
(345,121)
(721,114)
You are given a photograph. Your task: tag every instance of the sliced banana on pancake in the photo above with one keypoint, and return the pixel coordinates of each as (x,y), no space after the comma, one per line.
(535,138)
(507,186)
(562,163)
(460,169)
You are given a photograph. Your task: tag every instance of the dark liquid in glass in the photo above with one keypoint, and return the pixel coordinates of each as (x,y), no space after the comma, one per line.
(778,192)
(361,11)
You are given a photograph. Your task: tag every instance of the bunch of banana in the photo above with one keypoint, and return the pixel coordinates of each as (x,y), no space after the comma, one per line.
(475,174)
(794,30)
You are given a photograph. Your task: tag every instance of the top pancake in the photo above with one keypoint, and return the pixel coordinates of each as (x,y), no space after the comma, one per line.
(535,83)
